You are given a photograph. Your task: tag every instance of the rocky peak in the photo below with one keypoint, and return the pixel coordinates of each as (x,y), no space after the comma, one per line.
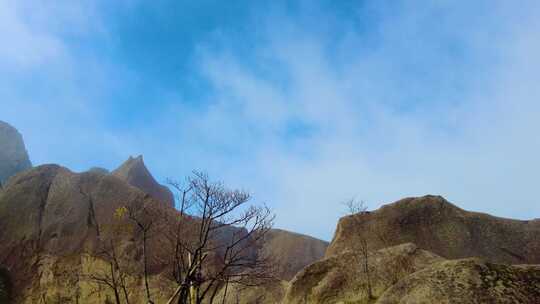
(13,155)
(439,226)
(134,172)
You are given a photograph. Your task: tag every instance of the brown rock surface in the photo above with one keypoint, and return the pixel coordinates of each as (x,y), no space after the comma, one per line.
(293,251)
(65,211)
(135,173)
(13,155)
(62,209)
(467,281)
(341,279)
(271,293)
(434,224)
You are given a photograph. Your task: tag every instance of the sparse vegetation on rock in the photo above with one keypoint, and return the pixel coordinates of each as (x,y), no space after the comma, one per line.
(467,281)
(434,224)
(339,279)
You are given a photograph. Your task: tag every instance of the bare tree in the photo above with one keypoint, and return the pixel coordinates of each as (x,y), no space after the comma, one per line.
(145,221)
(358,211)
(215,240)
(115,275)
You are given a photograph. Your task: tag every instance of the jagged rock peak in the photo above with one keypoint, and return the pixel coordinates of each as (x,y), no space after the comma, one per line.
(135,172)
(13,155)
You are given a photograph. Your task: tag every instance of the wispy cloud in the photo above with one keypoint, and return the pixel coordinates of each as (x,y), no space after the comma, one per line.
(310,106)
(432,99)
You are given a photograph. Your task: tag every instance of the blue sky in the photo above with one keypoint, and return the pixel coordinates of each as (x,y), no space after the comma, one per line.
(304,103)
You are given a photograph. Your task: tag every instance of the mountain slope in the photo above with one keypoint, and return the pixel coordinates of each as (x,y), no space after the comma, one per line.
(293,251)
(341,279)
(13,155)
(62,209)
(467,281)
(434,224)
(135,173)
(66,214)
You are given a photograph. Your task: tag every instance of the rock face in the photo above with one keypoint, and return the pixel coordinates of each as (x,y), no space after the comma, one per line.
(62,209)
(434,224)
(67,213)
(13,155)
(268,294)
(49,211)
(5,286)
(135,173)
(293,251)
(467,281)
(341,278)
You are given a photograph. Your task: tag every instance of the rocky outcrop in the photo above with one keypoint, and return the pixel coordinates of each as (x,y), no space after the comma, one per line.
(62,209)
(13,155)
(67,216)
(342,279)
(434,224)
(68,279)
(135,173)
(51,211)
(467,281)
(292,251)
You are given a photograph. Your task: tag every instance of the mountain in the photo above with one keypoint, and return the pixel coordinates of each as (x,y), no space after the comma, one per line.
(293,251)
(135,173)
(434,224)
(59,216)
(422,250)
(13,155)
(62,209)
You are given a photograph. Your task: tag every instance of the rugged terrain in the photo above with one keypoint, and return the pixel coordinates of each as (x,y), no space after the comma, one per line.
(13,155)
(65,212)
(135,173)
(340,278)
(409,243)
(54,222)
(467,281)
(434,224)
(405,274)
(293,251)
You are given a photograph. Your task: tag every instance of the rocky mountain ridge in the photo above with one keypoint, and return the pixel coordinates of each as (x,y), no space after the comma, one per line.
(135,173)
(13,155)
(434,224)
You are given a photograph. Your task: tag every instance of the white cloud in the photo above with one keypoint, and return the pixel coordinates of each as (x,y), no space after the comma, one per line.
(22,44)
(433,107)
(439,98)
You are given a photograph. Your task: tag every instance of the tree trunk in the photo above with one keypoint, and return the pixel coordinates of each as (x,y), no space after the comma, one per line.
(367,272)
(145,262)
